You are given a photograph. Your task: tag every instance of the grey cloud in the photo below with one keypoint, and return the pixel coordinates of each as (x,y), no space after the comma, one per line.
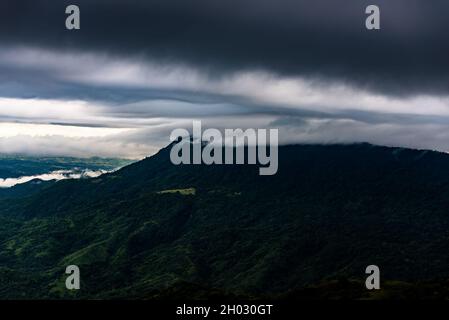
(321,39)
(322,42)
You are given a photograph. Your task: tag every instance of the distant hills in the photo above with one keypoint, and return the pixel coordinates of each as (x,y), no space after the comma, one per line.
(156,230)
(15,166)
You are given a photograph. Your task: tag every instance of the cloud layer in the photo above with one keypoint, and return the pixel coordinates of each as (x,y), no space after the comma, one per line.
(137,70)
(318,38)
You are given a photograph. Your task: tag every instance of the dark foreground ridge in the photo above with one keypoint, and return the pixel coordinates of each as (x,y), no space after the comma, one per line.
(155,230)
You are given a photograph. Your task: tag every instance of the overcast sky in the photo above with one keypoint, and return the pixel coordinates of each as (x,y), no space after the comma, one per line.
(138,69)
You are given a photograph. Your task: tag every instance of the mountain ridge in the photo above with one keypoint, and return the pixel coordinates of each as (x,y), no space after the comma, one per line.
(328,213)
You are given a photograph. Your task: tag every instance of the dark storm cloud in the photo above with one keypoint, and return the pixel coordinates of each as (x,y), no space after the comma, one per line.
(324,40)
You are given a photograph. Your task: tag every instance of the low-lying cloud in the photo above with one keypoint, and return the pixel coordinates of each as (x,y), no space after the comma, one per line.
(54,175)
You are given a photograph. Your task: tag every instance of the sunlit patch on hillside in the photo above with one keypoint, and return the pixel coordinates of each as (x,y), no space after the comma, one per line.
(184,192)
